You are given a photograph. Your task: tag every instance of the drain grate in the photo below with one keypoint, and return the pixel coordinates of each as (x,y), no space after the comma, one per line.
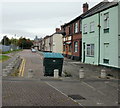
(76,97)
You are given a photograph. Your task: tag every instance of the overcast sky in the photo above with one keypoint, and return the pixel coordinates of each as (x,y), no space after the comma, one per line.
(29,19)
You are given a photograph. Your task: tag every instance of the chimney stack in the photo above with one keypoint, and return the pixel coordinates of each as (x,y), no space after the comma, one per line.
(57,30)
(85,7)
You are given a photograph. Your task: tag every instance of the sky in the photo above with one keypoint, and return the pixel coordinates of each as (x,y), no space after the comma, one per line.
(28,18)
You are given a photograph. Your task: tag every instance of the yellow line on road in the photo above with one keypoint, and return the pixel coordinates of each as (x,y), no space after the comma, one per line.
(22,67)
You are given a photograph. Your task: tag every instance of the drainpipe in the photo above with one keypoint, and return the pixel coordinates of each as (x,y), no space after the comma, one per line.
(99,39)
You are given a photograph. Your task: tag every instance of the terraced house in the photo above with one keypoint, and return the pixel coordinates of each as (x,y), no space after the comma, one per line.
(101,35)
(72,41)
(56,41)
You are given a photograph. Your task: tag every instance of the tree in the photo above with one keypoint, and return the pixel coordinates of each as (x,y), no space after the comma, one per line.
(6,41)
(14,41)
(25,43)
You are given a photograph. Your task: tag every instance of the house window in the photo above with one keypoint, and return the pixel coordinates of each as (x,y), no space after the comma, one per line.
(106,23)
(80,26)
(85,29)
(76,27)
(90,49)
(76,46)
(70,29)
(92,27)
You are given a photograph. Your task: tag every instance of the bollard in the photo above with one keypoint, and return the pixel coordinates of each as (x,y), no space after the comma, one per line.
(30,73)
(5,72)
(56,73)
(81,73)
(103,73)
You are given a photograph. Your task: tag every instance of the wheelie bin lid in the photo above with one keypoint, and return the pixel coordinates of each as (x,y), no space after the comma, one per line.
(52,55)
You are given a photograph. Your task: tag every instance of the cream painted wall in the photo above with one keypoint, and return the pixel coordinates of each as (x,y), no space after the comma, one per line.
(57,45)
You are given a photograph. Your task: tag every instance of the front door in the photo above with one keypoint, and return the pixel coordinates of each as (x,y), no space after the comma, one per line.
(83,52)
(80,49)
(66,50)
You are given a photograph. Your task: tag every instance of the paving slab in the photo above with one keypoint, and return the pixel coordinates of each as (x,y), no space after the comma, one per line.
(33,93)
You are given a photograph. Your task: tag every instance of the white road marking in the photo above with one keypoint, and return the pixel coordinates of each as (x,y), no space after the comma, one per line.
(64,94)
(94,88)
(89,86)
(101,92)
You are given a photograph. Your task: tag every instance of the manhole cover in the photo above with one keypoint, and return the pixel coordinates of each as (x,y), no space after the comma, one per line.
(76,97)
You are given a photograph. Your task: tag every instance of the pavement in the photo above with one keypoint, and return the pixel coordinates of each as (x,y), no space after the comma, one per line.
(64,91)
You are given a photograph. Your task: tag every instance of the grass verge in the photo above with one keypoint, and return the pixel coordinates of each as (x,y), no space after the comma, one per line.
(3,58)
(7,52)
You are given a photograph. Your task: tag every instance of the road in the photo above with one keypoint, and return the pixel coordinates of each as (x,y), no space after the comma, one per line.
(23,91)
(47,91)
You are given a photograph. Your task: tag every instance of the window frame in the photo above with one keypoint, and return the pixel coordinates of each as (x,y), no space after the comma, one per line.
(76,46)
(106,22)
(92,27)
(76,27)
(85,29)
(80,26)
(90,50)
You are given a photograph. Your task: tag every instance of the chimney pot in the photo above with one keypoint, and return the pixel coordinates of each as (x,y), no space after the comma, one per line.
(57,30)
(85,7)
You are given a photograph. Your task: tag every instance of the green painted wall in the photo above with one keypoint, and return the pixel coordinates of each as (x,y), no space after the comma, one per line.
(109,41)
(90,38)
(119,34)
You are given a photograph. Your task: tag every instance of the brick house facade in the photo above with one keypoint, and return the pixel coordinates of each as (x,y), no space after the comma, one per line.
(72,41)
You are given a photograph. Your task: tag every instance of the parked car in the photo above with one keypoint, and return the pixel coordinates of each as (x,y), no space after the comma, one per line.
(33,50)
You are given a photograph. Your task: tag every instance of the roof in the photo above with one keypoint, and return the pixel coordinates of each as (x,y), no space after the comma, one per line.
(47,37)
(98,8)
(62,33)
(53,55)
(72,21)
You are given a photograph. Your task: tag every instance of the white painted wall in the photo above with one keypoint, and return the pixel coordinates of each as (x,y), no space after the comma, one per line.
(57,43)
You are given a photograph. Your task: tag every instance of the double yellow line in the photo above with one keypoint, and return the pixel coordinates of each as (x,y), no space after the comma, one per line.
(22,68)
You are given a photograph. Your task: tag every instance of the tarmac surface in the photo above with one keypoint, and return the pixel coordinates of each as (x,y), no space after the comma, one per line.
(64,91)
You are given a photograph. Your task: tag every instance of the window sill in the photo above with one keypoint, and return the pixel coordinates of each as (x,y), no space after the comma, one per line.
(85,33)
(89,56)
(106,30)
(76,33)
(92,31)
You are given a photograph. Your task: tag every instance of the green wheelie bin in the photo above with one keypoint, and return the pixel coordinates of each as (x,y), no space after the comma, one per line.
(52,61)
